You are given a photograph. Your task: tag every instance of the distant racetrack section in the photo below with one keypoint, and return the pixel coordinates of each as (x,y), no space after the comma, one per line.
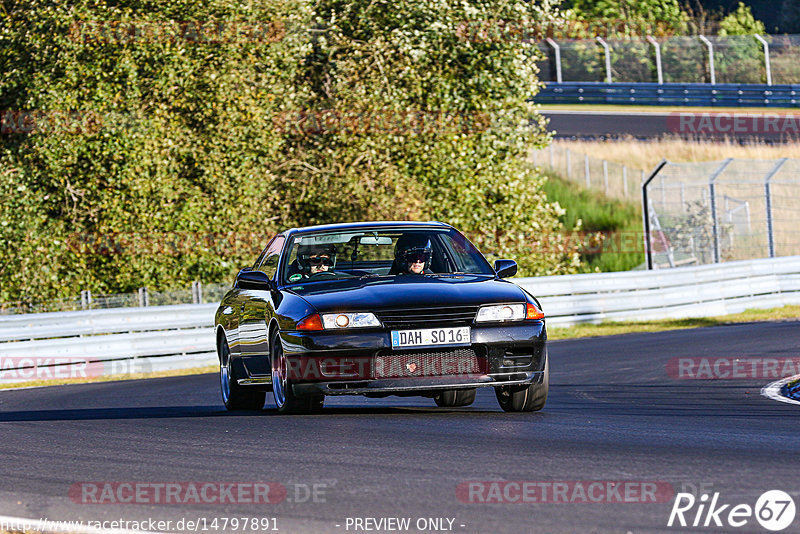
(769,126)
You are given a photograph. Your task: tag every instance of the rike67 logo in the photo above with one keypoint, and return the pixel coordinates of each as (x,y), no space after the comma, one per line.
(774,510)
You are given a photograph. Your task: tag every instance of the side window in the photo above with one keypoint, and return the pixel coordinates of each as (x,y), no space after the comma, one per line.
(268,262)
(270,266)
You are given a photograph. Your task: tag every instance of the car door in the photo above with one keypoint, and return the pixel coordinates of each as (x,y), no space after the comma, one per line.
(258,307)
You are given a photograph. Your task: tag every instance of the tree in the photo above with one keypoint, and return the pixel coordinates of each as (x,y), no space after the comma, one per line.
(637,17)
(741,22)
(193,145)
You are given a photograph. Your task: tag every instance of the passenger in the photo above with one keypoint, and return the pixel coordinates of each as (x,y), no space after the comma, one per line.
(412,255)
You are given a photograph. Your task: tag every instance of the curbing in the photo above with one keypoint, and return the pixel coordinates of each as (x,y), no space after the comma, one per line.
(785,390)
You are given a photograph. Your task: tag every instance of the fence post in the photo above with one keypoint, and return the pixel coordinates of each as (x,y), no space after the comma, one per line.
(605,176)
(569,165)
(144,301)
(767,65)
(607,51)
(586,170)
(197,293)
(86,299)
(648,249)
(714,220)
(659,70)
(710,58)
(625,181)
(768,199)
(557,50)
(683,198)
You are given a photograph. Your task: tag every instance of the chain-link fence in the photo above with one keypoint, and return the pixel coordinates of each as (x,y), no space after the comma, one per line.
(712,212)
(744,59)
(613,179)
(197,294)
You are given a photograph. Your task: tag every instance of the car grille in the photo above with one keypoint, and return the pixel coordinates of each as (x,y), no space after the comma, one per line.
(428,317)
(463,362)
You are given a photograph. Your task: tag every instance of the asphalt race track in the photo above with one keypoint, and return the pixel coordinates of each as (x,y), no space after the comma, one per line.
(614,414)
(750,125)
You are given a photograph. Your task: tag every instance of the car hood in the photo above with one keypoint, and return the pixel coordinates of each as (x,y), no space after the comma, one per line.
(409,292)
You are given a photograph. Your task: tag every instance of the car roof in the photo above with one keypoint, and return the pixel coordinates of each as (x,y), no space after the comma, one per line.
(365,225)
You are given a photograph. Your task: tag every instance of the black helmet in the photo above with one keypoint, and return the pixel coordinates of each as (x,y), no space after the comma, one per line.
(412,246)
(306,252)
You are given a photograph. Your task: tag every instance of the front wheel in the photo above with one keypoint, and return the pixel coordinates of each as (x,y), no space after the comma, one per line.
(234,396)
(282,391)
(530,398)
(451,398)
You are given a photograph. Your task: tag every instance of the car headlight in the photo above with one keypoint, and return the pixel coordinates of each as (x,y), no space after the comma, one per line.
(501,312)
(349,320)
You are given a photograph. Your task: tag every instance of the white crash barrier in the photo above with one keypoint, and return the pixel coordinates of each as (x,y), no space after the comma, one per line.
(672,293)
(172,337)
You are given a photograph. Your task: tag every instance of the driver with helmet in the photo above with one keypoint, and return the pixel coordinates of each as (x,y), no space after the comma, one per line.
(412,255)
(315,258)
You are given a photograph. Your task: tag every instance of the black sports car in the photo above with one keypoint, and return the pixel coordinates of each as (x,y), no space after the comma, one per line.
(378,309)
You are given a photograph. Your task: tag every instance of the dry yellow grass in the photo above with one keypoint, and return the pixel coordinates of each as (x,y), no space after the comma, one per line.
(629,327)
(647,154)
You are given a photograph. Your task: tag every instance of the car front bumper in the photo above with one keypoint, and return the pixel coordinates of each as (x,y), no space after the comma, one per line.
(498,355)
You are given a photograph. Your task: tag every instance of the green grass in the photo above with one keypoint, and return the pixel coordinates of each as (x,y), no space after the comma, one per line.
(598,213)
(630,327)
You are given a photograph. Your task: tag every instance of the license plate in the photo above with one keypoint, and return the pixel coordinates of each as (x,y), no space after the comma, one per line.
(431,337)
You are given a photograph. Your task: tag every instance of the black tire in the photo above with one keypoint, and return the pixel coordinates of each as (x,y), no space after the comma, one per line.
(282,391)
(234,396)
(451,398)
(531,398)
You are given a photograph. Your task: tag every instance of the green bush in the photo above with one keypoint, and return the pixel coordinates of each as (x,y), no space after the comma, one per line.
(607,231)
(183,156)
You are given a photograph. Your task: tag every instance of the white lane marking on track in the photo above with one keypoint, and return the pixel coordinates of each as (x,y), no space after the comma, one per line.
(773,390)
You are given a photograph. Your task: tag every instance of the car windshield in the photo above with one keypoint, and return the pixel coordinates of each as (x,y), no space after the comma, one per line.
(381,252)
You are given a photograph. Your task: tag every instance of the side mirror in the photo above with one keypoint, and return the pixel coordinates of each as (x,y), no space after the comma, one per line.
(248,279)
(505,268)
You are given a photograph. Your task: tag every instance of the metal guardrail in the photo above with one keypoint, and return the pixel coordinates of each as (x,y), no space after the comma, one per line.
(670,94)
(706,290)
(182,336)
(104,321)
(98,343)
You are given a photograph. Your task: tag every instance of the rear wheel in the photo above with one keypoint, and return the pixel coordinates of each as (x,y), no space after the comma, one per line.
(451,398)
(282,391)
(234,396)
(530,398)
